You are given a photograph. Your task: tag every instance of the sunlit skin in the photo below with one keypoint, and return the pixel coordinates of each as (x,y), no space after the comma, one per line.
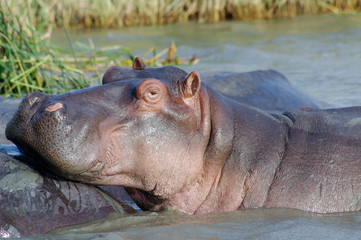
(174,142)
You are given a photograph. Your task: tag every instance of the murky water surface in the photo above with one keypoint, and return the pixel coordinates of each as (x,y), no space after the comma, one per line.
(247,224)
(320,54)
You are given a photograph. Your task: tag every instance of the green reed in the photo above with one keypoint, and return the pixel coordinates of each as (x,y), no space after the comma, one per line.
(117,13)
(29,63)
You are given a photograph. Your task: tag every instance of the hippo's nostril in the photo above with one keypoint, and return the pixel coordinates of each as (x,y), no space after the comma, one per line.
(54,107)
(34,97)
(31,99)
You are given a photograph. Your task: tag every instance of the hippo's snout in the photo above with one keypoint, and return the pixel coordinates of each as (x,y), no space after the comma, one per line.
(55,131)
(52,115)
(17,127)
(37,108)
(30,104)
(33,99)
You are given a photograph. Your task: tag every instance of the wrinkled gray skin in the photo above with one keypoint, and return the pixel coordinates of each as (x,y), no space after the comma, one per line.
(172,141)
(35,203)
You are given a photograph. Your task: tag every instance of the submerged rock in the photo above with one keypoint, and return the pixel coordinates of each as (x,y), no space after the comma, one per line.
(35,203)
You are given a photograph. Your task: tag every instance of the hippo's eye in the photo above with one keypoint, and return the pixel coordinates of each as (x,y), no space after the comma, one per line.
(152,95)
(151,91)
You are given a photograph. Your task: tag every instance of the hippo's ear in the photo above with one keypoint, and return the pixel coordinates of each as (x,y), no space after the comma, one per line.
(138,64)
(191,85)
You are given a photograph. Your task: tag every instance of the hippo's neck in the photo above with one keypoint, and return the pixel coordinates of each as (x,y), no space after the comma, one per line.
(244,151)
(245,147)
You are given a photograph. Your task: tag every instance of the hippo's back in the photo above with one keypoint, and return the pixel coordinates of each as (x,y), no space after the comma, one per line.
(321,168)
(267,90)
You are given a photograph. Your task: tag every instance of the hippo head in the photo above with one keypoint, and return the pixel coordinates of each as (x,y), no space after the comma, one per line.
(142,128)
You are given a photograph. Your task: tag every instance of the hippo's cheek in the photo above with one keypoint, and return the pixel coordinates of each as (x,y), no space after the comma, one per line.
(119,158)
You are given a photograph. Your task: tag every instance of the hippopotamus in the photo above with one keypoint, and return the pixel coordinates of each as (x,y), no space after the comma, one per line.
(33,202)
(172,141)
(54,202)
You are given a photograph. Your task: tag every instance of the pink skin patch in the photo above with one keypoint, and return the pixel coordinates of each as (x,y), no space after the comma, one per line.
(54,107)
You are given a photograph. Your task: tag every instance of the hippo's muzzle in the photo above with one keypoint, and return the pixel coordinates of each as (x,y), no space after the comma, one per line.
(51,130)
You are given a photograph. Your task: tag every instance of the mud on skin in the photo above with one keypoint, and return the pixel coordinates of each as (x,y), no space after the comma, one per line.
(173,141)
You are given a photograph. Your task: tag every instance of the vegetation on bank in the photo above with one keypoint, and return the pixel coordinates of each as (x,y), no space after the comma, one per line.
(29,63)
(117,13)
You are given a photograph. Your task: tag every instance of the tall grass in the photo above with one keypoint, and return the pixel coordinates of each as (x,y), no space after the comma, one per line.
(29,63)
(117,13)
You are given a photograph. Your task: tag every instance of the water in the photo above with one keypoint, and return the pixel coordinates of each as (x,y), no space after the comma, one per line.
(320,54)
(247,224)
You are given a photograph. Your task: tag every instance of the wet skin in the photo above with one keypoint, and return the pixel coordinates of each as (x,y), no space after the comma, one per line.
(172,141)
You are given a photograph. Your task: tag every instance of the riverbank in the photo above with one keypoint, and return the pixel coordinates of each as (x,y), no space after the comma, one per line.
(119,13)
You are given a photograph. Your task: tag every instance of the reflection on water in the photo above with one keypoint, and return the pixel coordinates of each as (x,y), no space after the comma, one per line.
(320,54)
(246,224)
